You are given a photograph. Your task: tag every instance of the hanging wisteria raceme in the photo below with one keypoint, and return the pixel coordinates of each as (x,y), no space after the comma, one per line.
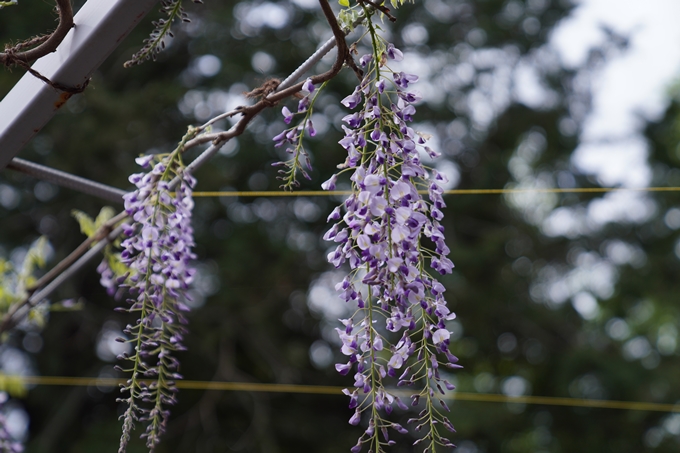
(388,235)
(158,253)
(299,162)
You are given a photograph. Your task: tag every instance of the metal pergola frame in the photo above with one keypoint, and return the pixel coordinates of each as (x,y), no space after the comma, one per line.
(100,26)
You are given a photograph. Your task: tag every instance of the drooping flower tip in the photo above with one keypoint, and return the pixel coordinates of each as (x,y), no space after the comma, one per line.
(303,105)
(310,128)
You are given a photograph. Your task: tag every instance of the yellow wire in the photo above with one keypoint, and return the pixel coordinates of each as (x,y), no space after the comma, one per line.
(322,193)
(333,390)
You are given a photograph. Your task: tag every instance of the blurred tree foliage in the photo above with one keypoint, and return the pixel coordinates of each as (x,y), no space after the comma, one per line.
(256,319)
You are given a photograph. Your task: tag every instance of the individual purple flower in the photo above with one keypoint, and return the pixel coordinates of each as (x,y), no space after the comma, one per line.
(144,161)
(380,85)
(403,80)
(364,60)
(287,115)
(393,53)
(303,105)
(310,128)
(352,100)
(353,120)
(440,335)
(308,86)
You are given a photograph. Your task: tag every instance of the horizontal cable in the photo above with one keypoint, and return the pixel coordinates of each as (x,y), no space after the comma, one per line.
(323,193)
(334,390)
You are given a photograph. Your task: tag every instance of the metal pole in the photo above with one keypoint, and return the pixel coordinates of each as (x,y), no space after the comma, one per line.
(67,180)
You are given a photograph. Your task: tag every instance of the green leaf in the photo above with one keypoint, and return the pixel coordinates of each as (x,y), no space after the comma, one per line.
(344,3)
(37,315)
(9,3)
(104,216)
(85,221)
(34,258)
(347,17)
(116,265)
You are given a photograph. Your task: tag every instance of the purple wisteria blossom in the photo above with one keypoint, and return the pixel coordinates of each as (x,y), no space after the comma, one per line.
(157,253)
(381,233)
(299,161)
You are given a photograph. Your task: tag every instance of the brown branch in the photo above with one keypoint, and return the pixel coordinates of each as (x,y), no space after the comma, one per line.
(14,55)
(249,112)
(56,85)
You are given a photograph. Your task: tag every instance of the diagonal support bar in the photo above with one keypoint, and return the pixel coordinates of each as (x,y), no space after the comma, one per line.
(100,26)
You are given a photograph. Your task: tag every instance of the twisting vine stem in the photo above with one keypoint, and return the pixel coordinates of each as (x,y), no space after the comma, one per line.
(45,44)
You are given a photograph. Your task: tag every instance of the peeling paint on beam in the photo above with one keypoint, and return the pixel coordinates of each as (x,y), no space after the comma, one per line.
(100,26)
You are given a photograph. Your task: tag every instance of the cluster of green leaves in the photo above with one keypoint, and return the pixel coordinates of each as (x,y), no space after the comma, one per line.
(89,227)
(15,284)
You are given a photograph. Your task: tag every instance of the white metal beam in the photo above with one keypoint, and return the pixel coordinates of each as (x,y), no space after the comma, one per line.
(100,26)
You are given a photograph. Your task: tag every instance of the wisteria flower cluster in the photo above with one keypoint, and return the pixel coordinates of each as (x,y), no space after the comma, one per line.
(158,253)
(299,161)
(383,231)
